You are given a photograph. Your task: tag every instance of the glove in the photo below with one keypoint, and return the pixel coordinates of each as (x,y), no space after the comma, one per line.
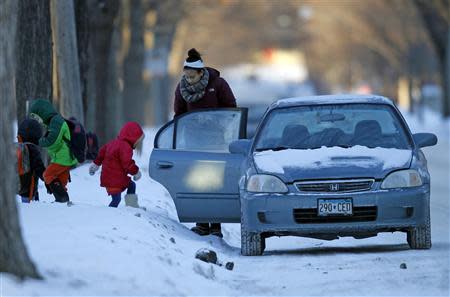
(93,168)
(137,176)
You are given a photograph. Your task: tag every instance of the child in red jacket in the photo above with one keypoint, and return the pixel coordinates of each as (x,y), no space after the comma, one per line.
(116,159)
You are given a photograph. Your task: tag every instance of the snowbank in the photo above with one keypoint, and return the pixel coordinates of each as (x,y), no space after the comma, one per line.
(91,249)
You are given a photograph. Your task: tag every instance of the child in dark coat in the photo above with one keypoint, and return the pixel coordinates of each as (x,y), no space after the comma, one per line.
(29,133)
(116,159)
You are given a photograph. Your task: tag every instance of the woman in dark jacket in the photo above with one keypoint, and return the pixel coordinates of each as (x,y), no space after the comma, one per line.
(202,87)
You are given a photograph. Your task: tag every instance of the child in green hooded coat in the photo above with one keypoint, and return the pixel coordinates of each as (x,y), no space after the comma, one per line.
(57,174)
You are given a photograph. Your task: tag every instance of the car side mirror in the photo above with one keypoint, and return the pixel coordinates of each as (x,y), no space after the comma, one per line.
(425,139)
(240,146)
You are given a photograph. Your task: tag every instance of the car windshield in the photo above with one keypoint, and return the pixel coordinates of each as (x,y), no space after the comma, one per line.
(312,127)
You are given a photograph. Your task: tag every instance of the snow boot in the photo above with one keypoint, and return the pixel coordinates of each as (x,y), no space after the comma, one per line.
(59,192)
(216,230)
(201,229)
(131,200)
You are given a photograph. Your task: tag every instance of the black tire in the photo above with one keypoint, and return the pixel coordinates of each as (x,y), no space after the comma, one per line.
(252,243)
(419,238)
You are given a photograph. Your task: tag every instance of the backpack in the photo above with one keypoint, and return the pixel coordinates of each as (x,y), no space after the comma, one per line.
(23,164)
(77,143)
(23,159)
(92,146)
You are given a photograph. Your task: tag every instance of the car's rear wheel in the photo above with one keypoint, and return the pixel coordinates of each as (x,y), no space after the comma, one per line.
(420,237)
(252,243)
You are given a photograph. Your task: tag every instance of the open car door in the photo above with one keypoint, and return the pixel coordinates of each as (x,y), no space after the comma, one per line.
(191,159)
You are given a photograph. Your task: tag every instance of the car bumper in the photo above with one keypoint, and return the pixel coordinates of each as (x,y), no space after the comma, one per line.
(395,210)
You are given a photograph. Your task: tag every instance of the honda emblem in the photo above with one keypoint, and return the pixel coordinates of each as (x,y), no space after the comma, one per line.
(334,187)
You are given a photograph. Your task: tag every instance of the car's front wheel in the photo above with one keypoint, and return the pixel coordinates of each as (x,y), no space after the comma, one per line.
(252,243)
(420,237)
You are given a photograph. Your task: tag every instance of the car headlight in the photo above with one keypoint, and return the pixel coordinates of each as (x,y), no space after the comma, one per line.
(402,179)
(262,183)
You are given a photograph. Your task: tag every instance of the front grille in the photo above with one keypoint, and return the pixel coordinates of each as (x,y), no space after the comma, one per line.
(335,186)
(360,214)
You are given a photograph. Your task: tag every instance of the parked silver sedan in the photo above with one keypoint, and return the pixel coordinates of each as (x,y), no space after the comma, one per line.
(321,167)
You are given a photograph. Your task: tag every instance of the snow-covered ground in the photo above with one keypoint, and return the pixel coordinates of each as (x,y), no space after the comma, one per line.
(91,249)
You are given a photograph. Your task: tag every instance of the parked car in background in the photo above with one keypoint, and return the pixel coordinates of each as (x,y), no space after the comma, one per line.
(321,167)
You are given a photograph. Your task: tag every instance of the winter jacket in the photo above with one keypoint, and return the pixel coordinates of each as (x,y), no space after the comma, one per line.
(115,157)
(29,132)
(217,94)
(58,133)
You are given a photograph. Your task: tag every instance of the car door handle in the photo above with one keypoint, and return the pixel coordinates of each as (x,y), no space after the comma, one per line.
(164,164)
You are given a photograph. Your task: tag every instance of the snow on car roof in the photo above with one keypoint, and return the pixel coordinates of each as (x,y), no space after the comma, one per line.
(331,99)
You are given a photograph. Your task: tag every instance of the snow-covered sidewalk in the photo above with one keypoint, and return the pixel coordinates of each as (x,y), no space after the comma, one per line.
(91,249)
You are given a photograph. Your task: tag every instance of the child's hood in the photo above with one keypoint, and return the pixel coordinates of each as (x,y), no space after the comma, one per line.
(30,131)
(44,109)
(131,132)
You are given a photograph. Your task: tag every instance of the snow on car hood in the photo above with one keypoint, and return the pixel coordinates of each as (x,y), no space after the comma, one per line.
(332,162)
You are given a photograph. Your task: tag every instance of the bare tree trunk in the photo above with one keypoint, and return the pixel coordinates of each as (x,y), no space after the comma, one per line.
(101,24)
(90,117)
(86,60)
(34,53)
(168,16)
(114,104)
(65,40)
(133,66)
(438,29)
(82,31)
(13,253)
(161,82)
(447,72)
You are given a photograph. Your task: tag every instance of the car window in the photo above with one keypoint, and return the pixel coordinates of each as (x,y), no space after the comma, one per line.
(310,127)
(208,131)
(165,138)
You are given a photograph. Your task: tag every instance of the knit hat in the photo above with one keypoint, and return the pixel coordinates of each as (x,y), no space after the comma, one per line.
(194,60)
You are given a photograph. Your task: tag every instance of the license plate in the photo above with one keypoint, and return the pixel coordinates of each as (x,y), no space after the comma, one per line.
(333,207)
